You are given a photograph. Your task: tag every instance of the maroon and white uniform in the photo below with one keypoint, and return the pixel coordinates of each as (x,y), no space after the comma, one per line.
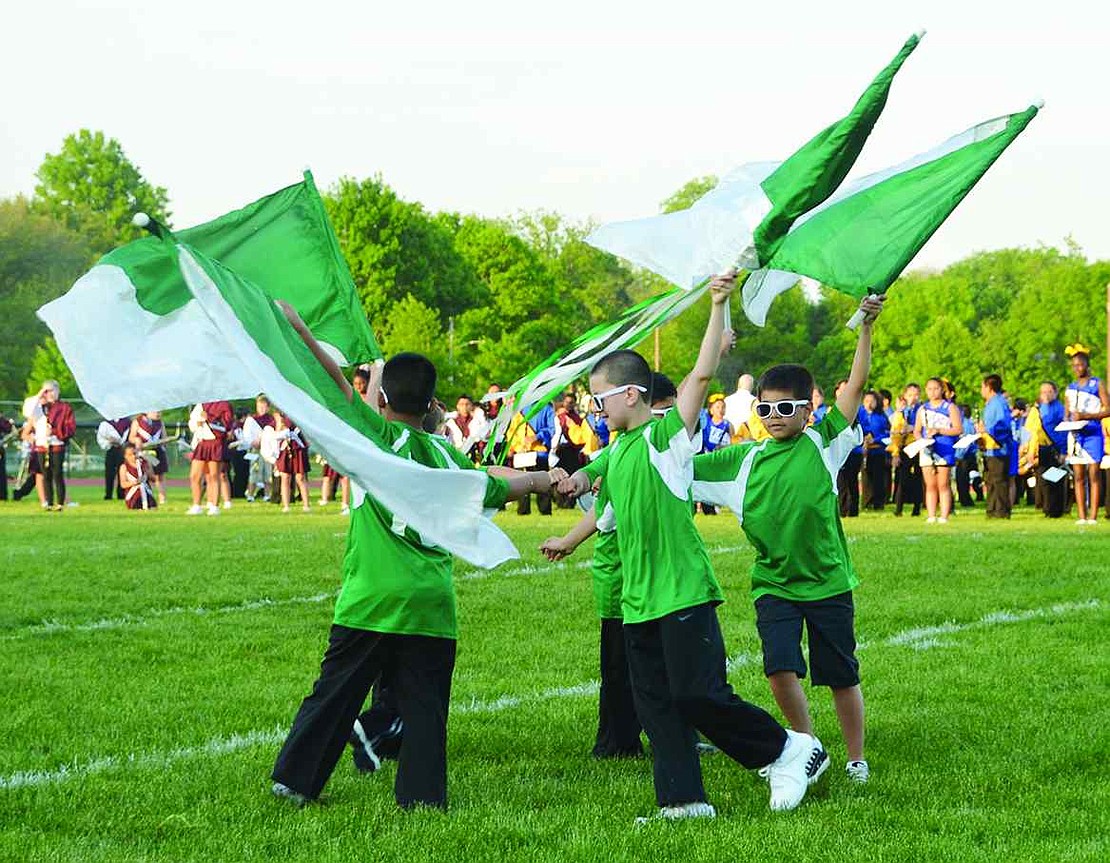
(152,433)
(139,495)
(54,426)
(219,419)
(293,455)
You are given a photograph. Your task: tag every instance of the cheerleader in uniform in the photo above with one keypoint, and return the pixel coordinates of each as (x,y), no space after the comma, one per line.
(209,422)
(134,479)
(716,432)
(333,478)
(148,432)
(292,461)
(939,420)
(1086,401)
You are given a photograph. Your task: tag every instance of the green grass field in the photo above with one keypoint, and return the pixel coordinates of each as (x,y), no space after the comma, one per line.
(151,663)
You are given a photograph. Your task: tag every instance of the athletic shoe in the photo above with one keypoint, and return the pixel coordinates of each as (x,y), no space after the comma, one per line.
(706,748)
(369,749)
(287,793)
(345,511)
(285,509)
(227,504)
(930,520)
(858,771)
(195,509)
(818,762)
(212,509)
(322,502)
(679,813)
(306,508)
(942,521)
(787,773)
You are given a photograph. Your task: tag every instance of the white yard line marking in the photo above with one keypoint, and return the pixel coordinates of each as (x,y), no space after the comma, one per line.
(126,621)
(918,638)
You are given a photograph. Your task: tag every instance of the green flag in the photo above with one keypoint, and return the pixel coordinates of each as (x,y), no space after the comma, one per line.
(283,243)
(813,173)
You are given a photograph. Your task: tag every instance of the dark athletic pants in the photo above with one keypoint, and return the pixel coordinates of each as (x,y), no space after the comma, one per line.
(1054,495)
(53,472)
(847,485)
(113,458)
(3,474)
(678,682)
(419,670)
(997,470)
(878,473)
(909,488)
(618,728)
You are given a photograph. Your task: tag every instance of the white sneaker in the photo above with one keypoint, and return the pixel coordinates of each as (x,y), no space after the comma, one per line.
(345,511)
(306,508)
(678,813)
(1092,521)
(787,773)
(818,762)
(285,509)
(1081,521)
(195,509)
(930,520)
(322,502)
(227,504)
(942,521)
(213,509)
(250,498)
(858,771)
(287,793)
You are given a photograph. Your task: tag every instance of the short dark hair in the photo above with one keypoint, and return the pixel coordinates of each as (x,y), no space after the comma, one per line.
(913,384)
(788,377)
(887,394)
(662,387)
(965,410)
(1021,404)
(626,367)
(994,382)
(464,396)
(409,383)
(1051,384)
(362,374)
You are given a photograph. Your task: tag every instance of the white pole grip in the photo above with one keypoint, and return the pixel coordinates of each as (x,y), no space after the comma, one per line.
(857,319)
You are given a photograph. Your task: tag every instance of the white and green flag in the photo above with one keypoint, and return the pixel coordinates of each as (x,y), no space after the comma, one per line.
(161,352)
(254,349)
(782,221)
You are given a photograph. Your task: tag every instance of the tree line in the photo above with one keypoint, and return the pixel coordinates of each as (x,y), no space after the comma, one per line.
(487,298)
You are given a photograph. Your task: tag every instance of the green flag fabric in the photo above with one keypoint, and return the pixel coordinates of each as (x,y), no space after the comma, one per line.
(808,177)
(229,339)
(283,242)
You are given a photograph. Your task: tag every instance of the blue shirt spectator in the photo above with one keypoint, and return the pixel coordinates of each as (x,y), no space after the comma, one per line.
(997,422)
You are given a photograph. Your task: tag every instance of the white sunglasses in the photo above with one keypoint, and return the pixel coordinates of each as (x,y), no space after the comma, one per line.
(597,400)
(785,408)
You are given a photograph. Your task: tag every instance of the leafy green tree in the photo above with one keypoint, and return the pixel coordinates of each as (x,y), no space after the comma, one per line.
(91,187)
(39,260)
(395,249)
(49,364)
(689,193)
(412,326)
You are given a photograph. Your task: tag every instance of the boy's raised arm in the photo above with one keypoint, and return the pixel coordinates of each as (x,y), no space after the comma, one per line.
(330,366)
(696,385)
(851,395)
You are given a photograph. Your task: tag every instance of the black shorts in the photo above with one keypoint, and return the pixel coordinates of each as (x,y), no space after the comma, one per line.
(832,639)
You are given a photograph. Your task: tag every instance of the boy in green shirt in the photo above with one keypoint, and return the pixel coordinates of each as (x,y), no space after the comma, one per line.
(783,492)
(669,593)
(396,609)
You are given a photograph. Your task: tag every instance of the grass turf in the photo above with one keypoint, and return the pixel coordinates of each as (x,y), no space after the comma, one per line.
(150,664)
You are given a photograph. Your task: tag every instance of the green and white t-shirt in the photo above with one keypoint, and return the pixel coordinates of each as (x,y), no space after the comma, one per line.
(392,581)
(664,566)
(784,495)
(606,568)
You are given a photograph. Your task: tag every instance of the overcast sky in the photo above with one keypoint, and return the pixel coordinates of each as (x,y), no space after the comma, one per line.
(594,109)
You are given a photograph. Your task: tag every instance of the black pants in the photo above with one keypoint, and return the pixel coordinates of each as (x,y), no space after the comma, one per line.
(239,469)
(543,501)
(618,728)
(964,467)
(3,474)
(113,458)
(908,488)
(53,474)
(419,670)
(847,485)
(878,475)
(1054,495)
(679,685)
(997,470)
